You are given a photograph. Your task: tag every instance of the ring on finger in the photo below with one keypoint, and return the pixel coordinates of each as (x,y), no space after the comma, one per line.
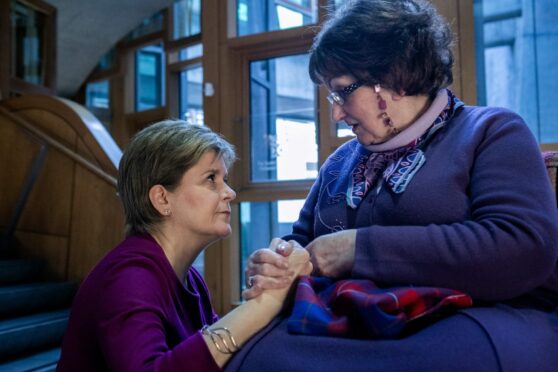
(282,245)
(251,280)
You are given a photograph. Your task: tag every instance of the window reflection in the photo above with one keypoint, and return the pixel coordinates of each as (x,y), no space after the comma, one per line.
(191,95)
(186,17)
(28,44)
(516,47)
(149,77)
(282,122)
(262,221)
(256,16)
(97,100)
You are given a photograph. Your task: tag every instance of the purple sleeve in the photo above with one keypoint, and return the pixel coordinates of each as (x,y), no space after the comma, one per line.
(506,248)
(133,330)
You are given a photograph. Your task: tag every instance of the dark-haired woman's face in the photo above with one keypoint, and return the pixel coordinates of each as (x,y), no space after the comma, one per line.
(361,112)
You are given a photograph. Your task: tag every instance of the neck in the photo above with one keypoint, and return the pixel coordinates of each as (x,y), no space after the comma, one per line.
(409,109)
(179,251)
(422,121)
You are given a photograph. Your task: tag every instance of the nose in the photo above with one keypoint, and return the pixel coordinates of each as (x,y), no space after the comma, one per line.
(229,193)
(337,112)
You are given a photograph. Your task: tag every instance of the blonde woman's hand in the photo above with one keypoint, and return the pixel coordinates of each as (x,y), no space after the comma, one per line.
(270,268)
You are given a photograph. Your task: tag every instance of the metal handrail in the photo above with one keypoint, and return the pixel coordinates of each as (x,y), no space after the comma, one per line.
(60,147)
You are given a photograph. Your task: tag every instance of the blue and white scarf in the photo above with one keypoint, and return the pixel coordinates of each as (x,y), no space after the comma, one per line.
(400,158)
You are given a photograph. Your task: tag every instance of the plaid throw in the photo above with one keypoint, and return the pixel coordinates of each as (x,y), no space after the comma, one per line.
(359,308)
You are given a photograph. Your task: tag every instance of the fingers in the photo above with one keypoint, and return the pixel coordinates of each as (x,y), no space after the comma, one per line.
(256,284)
(267,256)
(266,269)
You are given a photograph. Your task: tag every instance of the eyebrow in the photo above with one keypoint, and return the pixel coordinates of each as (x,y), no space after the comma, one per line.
(215,170)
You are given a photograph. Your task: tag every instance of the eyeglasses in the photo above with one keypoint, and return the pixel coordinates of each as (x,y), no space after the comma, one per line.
(340,96)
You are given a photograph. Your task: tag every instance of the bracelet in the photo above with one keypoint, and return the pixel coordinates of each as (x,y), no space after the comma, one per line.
(222,346)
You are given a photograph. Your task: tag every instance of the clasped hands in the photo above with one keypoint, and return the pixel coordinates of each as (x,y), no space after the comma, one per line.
(277,266)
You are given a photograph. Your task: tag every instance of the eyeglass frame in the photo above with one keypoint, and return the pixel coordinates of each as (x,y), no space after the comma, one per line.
(340,96)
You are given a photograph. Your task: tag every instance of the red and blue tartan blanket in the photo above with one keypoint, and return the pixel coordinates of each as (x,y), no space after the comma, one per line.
(359,308)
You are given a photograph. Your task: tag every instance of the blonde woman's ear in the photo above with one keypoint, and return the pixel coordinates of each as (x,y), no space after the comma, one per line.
(158,196)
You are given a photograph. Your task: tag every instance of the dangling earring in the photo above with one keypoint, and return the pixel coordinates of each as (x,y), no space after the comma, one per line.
(382,105)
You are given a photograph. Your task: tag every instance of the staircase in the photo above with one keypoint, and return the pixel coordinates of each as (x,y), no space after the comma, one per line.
(58,202)
(33,316)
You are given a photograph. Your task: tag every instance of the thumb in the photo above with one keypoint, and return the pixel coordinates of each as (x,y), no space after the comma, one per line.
(285,249)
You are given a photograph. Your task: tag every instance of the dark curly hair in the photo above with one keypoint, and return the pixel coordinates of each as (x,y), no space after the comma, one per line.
(404,45)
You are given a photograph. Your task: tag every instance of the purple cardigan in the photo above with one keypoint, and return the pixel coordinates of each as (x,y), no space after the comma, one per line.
(479,216)
(133,314)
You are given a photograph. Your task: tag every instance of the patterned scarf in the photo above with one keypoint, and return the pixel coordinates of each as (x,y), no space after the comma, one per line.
(397,167)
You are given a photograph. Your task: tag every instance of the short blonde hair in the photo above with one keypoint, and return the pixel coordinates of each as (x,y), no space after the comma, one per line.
(159,155)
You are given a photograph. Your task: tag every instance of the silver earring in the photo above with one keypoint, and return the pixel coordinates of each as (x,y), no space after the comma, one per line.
(167,212)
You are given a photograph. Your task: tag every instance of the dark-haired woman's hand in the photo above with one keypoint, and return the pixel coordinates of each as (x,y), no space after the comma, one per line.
(333,254)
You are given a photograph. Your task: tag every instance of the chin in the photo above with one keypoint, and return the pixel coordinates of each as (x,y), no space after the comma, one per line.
(224,233)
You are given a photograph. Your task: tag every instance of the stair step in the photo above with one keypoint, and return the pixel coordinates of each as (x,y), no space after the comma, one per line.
(33,332)
(17,300)
(40,362)
(19,271)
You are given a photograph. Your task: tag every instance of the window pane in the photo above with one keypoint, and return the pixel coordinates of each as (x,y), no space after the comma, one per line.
(28,28)
(97,100)
(516,55)
(260,222)
(343,130)
(282,120)
(149,77)
(191,52)
(256,16)
(191,95)
(186,15)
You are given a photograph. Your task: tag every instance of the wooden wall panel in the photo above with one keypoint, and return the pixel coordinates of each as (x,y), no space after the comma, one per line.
(53,249)
(52,124)
(97,223)
(48,208)
(49,204)
(16,155)
(449,9)
(467,52)
(73,215)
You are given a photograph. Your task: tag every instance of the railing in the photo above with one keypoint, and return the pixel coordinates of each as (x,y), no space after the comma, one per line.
(58,199)
(59,146)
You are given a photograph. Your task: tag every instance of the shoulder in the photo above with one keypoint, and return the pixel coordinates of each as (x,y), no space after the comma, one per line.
(134,270)
(344,156)
(477,126)
(486,118)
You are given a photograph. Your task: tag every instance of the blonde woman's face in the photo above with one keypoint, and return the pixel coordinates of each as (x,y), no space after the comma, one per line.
(201,203)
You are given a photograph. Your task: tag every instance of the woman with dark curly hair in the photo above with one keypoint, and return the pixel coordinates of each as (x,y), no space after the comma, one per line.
(431,193)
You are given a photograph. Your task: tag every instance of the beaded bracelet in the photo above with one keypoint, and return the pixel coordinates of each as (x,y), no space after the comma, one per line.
(216,336)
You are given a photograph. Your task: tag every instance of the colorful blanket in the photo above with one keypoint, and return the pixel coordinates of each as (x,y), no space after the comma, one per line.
(359,308)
